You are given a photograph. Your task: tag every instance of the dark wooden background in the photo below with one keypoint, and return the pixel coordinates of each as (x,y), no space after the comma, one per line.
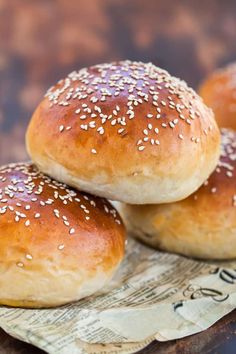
(43,40)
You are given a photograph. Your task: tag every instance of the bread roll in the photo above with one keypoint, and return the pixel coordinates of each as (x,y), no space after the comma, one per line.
(204,224)
(57,245)
(126,131)
(219,92)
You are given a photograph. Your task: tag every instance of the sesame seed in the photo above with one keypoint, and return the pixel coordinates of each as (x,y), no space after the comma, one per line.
(29,257)
(141,148)
(61,128)
(101,130)
(94,151)
(72,231)
(106,209)
(61,247)
(20,264)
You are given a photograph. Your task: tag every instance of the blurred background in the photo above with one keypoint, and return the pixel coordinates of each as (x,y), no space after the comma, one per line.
(41,41)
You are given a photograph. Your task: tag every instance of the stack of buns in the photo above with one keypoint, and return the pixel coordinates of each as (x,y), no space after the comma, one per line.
(125,131)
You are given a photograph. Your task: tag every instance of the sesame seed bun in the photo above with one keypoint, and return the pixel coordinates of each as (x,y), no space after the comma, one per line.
(204,224)
(57,245)
(219,92)
(127,131)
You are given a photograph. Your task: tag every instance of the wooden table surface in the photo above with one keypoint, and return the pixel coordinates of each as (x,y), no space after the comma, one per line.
(42,40)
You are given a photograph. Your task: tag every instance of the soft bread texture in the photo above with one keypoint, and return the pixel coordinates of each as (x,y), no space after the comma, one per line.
(57,245)
(204,224)
(219,92)
(127,131)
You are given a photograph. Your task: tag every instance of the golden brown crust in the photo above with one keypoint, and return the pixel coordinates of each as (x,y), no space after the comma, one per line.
(219,92)
(204,224)
(125,123)
(51,231)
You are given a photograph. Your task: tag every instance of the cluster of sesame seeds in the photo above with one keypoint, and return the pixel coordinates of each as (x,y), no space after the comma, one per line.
(110,96)
(226,165)
(29,197)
